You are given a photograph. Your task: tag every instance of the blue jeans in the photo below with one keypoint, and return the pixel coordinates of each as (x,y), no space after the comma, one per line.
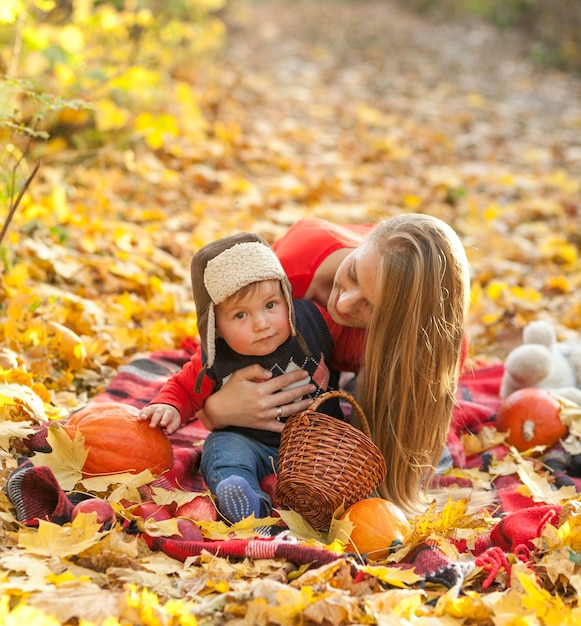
(228,453)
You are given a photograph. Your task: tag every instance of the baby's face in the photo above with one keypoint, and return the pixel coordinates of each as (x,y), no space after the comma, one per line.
(256,323)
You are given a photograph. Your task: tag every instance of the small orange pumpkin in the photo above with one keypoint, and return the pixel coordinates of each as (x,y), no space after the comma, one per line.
(378,526)
(117,442)
(531,417)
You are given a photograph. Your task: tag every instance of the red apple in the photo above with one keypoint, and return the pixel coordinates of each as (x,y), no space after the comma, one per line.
(186,456)
(151,510)
(189,531)
(200,509)
(173,478)
(103,509)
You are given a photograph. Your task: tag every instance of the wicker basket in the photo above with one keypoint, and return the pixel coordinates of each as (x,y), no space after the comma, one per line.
(324,463)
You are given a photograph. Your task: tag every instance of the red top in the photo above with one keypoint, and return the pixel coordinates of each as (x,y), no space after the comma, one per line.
(301,251)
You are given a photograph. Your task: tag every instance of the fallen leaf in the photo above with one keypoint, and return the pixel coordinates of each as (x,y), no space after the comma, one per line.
(81,600)
(393,576)
(61,541)
(299,526)
(23,397)
(13,430)
(126,485)
(67,457)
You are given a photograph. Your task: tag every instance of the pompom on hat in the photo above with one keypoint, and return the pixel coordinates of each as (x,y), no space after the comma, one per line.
(223,267)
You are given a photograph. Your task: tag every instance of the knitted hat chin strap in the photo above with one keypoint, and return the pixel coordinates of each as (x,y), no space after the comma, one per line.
(211,336)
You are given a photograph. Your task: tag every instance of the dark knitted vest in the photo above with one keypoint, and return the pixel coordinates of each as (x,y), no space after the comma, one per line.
(289,356)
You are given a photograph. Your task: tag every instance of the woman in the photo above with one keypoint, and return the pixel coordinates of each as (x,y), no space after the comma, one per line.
(398,294)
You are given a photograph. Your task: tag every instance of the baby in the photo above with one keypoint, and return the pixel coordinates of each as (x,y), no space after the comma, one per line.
(245,316)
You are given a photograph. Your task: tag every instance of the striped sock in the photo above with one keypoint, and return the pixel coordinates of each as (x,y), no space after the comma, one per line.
(36,494)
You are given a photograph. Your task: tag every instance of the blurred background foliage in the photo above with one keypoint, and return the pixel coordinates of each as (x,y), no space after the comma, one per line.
(80,74)
(102,58)
(551,29)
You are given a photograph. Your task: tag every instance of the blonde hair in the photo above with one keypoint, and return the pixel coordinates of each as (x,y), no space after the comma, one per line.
(413,349)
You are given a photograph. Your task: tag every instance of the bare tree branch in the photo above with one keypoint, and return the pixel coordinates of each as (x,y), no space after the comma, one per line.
(14,204)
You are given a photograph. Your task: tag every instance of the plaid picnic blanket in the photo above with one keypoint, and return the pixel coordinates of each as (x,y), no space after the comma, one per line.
(520,518)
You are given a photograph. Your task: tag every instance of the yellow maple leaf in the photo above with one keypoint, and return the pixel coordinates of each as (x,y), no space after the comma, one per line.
(340,529)
(127,485)
(495,289)
(526,294)
(319,576)
(299,527)
(467,606)
(395,576)
(61,541)
(559,249)
(435,521)
(67,457)
(559,283)
(400,603)
(570,532)
(178,496)
(550,609)
(162,528)
(486,438)
(244,529)
(10,430)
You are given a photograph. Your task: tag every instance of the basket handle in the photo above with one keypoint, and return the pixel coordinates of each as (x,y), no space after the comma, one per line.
(315,404)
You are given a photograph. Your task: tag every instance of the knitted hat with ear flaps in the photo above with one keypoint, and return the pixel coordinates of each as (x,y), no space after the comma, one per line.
(223,267)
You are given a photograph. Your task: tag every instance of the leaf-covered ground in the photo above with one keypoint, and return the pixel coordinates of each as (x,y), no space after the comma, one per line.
(345,110)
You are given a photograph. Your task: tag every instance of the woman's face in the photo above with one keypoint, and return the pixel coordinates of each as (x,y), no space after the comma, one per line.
(353,295)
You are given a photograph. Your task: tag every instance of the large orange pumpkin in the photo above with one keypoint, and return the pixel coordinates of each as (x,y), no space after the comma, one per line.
(531,417)
(117,442)
(378,526)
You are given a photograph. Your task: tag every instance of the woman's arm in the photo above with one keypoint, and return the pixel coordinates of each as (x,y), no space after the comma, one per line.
(251,398)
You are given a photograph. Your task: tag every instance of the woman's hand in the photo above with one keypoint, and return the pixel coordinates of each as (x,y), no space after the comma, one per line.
(163,415)
(252,398)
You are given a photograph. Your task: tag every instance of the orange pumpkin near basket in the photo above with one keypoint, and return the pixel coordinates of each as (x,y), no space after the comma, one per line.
(325,463)
(378,526)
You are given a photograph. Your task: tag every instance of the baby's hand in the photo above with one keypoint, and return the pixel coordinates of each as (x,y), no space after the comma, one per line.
(163,415)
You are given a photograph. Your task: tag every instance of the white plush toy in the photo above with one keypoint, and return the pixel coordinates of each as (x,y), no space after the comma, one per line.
(542,361)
